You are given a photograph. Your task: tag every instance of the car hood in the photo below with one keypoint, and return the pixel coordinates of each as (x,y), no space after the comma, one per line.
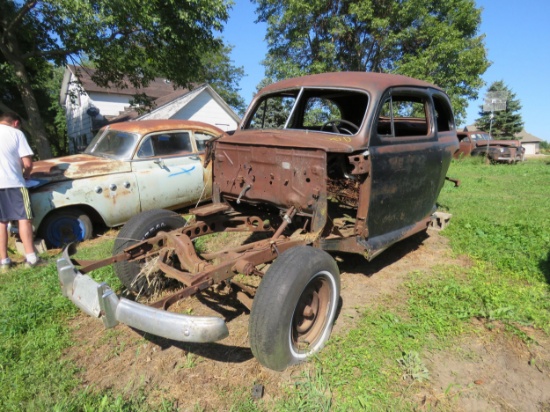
(75,167)
(503,143)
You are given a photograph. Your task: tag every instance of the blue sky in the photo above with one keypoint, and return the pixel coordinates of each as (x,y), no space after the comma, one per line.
(517,38)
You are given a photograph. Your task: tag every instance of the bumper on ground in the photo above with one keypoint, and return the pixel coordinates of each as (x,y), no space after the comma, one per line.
(99,300)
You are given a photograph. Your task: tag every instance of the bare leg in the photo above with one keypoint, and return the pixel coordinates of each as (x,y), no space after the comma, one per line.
(26,235)
(3,240)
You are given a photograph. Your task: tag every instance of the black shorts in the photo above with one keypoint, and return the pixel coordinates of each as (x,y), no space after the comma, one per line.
(15,204)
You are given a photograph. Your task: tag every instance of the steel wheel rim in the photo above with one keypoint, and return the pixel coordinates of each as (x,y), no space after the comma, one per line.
(314,311)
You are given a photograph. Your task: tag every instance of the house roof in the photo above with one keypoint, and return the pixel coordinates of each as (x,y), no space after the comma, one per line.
(528,137)
(157,88)
(132,114)
(161,91)
(179,100)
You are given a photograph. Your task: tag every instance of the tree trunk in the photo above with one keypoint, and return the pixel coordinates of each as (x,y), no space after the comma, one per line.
(10,50)
(37,129)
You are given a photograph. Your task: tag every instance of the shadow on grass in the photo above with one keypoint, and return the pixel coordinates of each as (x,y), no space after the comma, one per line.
(229,307)
(358,264)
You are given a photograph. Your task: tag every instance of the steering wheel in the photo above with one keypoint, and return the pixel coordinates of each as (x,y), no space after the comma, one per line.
(336,126)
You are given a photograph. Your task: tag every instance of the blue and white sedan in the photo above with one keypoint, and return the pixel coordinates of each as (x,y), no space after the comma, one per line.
(128,168)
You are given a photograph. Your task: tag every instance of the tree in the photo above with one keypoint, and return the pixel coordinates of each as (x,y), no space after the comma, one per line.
(436,41)
(134,38)
(224,77)
(506,123)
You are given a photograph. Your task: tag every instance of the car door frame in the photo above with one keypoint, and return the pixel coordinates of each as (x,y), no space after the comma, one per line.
(407,165)
(184,175)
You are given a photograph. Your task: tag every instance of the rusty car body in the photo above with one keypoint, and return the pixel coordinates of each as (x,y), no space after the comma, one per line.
(477,143)
(128,168)
(335,162)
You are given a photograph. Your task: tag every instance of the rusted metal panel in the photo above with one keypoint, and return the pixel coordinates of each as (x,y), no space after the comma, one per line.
(296,139)
(284,177)
(117,194)
(76,167)
(144,127)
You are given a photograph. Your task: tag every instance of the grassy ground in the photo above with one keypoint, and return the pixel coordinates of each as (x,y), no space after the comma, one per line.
(500,221)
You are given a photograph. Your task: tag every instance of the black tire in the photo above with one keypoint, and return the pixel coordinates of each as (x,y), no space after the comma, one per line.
(142,226)
(64,226)
(301,279)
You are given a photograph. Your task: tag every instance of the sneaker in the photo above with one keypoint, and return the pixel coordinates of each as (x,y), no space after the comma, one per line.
(4,267)
(39,263)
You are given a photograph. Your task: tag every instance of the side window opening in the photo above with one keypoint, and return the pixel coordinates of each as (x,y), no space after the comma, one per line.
(443,114)
(166,144)
(201,139)
(402,116)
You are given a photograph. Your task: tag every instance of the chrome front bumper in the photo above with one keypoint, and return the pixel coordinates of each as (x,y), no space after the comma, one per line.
(99,300)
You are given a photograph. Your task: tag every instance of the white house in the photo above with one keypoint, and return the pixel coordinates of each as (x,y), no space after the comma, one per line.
(530,142)
(89,106)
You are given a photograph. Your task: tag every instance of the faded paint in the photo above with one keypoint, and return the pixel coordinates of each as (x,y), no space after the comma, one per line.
(116,190)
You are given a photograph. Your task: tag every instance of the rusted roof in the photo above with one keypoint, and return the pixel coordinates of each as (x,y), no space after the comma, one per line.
(147,126)
(359,80)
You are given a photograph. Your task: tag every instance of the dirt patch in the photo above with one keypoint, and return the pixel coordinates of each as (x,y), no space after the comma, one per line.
(492,371)
(212,376)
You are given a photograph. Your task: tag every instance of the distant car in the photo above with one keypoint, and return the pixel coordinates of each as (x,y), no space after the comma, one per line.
(128,168)
(477,143)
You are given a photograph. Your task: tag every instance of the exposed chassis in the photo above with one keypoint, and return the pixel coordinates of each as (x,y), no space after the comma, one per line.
(196,273)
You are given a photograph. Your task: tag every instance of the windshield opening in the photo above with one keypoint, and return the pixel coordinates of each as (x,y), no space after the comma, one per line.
(324,110)
(113,144)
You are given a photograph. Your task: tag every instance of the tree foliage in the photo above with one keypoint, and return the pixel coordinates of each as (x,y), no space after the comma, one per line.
(134,38)
(506,123)
(433,40)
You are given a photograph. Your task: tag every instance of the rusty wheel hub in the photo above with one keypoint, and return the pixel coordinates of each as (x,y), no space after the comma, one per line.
(311,312)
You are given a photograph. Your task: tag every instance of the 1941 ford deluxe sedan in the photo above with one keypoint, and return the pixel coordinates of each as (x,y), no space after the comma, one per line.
(320,165)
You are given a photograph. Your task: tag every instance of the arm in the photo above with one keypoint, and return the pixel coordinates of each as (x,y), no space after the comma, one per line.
(26,161)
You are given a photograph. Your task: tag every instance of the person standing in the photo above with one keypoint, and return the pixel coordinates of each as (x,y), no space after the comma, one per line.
(15,167)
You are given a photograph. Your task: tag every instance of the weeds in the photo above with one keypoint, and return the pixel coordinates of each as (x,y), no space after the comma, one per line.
(413,367)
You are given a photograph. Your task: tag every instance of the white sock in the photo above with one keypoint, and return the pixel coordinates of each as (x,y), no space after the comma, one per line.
(6,261)
(31,258)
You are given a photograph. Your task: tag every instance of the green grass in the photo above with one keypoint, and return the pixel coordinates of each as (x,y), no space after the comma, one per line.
(501,222)
(34,329)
